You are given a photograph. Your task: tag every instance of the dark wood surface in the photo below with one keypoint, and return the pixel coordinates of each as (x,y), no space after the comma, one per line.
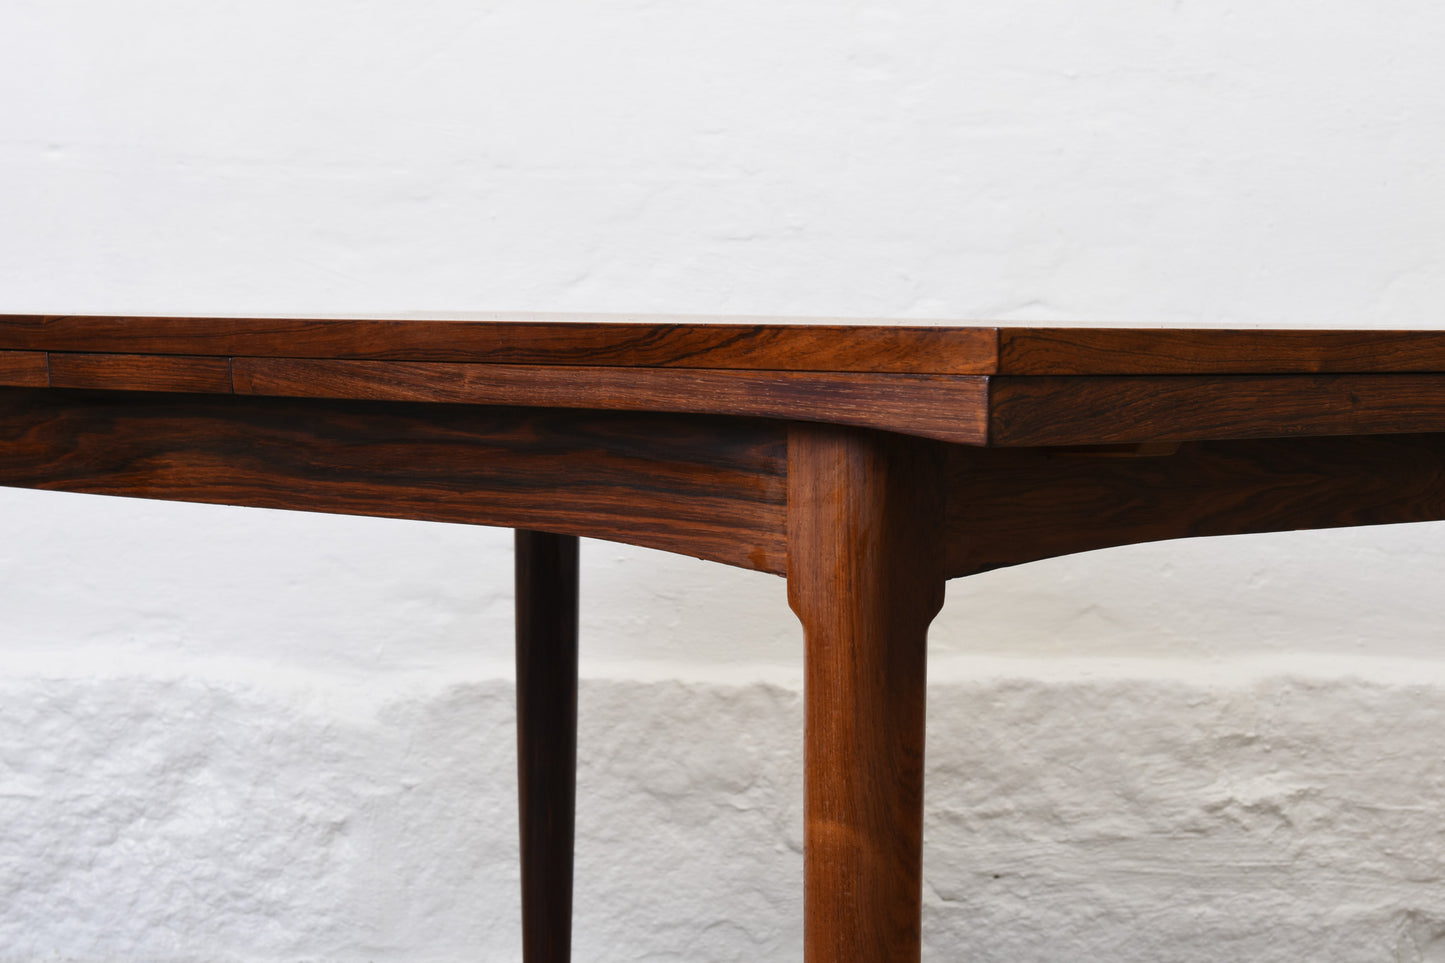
(23,369)
(1007,506)
(1105,351)
(947,407)
(867,463)
(709,487)
(547,576)
(141,372)
(865,579)
(753,344)
(1115,409)
(968,385)
(645,343)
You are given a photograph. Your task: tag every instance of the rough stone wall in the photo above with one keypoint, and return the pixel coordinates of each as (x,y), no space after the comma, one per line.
(1128,816)
(263,737)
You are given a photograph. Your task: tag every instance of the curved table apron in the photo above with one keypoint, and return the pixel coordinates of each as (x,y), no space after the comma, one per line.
(865,463)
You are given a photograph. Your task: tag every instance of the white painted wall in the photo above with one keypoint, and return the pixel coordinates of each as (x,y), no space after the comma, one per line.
(240,735)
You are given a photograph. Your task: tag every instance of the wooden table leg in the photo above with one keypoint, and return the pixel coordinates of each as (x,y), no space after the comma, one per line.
(546,567)
(865,580)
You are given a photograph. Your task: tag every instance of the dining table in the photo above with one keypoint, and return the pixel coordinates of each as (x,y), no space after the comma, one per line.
(865,462)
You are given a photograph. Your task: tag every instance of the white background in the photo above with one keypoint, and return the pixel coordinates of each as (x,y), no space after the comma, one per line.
(241,735)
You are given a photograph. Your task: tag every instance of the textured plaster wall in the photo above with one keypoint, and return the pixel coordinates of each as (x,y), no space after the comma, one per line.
(241,735)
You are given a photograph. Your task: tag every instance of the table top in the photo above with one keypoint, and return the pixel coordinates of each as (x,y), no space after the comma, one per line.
(677,434)
(981,348)
(976,384)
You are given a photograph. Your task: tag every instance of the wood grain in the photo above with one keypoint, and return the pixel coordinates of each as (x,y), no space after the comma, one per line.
(1007,506)
(640,341)
(140,372)
(1110,351)
(23,369)
(547,582)
(865,580)
(709,487)
(1116,410)
(654,342)
(946,407)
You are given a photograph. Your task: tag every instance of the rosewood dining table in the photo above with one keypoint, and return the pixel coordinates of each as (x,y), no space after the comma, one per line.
(866,463)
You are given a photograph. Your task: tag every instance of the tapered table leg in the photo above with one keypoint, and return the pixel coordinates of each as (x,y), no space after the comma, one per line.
(864,580)
(546,568)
